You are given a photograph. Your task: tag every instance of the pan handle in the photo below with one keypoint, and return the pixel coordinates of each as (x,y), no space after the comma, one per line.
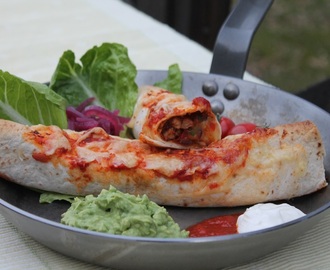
(234,39)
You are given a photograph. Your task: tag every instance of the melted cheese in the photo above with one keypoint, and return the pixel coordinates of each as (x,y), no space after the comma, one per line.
(229,172)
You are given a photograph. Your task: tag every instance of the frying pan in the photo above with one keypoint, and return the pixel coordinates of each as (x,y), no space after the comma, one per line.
(229,95)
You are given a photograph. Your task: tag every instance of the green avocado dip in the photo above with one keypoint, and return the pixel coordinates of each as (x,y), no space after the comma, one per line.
(123,214)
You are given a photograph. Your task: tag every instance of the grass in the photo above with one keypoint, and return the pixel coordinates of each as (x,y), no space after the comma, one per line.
(291,49)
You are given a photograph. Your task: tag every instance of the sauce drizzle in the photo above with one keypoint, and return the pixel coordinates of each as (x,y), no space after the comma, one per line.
(220,225)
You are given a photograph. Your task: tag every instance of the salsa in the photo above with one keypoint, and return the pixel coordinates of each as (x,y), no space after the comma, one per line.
(220,225)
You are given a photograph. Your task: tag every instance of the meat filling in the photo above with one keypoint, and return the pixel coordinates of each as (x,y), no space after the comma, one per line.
(186,130)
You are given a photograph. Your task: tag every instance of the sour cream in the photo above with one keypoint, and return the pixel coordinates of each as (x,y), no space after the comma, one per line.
(261,216)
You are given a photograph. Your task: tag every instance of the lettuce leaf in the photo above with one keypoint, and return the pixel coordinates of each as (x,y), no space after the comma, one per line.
(106,73)
(173,81)
(30,103)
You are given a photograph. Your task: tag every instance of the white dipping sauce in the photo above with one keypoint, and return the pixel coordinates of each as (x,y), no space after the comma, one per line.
(261,216)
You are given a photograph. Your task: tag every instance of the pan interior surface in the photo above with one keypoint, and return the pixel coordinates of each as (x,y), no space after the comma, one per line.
(256,103)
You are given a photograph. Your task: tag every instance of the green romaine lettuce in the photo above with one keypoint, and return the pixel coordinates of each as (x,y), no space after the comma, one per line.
(173,81)
(30,102)
(106,73)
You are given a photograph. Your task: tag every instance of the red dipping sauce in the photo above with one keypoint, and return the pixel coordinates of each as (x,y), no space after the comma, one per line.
(221,225)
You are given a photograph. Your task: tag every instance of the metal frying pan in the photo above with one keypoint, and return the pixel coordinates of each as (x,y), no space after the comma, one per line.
(230,95)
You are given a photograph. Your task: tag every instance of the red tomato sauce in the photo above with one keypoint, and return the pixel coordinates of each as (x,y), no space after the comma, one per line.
(221,225)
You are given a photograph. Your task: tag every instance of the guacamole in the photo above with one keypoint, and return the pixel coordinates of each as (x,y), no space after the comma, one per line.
(119,213)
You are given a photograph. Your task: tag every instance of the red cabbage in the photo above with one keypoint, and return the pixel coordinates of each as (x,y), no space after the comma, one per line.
(86,116)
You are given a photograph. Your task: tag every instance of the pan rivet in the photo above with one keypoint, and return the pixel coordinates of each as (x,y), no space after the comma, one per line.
(231,91)
(210,88)
(217,107)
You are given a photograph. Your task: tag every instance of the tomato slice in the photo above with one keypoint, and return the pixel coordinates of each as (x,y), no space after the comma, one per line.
(226,125)
(242,128)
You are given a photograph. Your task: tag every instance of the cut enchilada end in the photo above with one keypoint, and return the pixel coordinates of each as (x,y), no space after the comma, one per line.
(164,119)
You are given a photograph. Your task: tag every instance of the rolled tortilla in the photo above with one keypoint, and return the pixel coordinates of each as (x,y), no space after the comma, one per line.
(164,119)
(267,164)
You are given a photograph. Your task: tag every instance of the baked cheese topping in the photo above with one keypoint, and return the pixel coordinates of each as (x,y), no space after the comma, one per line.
(228,172)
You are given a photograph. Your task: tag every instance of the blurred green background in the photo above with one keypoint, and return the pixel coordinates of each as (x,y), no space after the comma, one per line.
(291,49)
